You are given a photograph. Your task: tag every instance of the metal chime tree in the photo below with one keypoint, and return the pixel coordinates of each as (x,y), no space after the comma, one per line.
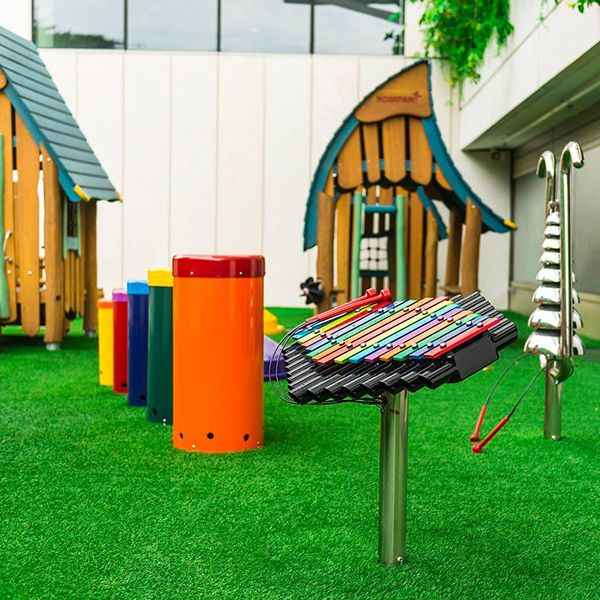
(555,318)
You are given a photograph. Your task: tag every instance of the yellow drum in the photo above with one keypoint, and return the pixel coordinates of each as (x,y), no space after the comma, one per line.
(105,341)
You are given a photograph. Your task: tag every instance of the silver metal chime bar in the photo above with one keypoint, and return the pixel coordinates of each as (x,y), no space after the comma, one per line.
(555,319)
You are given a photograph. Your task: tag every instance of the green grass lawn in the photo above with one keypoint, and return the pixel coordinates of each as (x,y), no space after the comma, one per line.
(95,503)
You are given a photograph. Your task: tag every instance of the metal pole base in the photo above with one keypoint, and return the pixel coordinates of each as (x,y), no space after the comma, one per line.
(392,491)
(552,408)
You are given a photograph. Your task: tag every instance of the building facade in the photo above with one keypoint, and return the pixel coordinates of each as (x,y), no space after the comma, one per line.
(212,124)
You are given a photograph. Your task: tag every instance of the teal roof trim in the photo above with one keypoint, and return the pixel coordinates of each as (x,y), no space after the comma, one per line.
(38,102)
(491,221)
(320,178)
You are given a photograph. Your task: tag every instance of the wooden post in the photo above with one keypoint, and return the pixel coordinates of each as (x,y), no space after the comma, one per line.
(469,273)
(415,253)
(431,250)
(54,265)
(343,228)
(90,314)
(27,230)
(325,228)
(80,260)
(8,235)
(453,253)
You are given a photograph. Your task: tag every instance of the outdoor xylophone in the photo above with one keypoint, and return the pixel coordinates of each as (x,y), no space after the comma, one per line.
(386,346)
(374,350)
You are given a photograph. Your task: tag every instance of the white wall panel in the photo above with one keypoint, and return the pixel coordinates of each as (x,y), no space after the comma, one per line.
(240,154)
(286,175)
(100,116)
(146,165)
(194,141)
(334,95)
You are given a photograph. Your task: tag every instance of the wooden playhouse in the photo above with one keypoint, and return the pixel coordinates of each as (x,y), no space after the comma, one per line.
(51,181)
(372,209)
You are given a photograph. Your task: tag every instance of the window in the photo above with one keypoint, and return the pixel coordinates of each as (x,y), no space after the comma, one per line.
(172,24)
(353,26)
(529,215)
(265,26)
(81,24)
(284,26)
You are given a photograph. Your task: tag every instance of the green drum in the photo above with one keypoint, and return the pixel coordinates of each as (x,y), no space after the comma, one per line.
(160,347)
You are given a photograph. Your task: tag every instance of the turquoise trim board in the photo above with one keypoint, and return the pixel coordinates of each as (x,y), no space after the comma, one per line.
(320,178)
(458,197)
(41,107)
(441,156)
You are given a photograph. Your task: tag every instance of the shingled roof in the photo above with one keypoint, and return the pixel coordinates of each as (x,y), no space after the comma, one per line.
(40,105)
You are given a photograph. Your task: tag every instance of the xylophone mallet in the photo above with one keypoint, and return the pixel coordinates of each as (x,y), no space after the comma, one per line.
(477,448)
(475,435)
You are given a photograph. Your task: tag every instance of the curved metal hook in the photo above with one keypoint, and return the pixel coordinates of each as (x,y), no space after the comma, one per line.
(546,170)
(571,156)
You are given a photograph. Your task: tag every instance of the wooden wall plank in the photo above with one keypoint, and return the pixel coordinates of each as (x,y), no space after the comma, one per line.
(53,256)
(9,210)
(27,234)
(90,268)
(431,253)
(370,135)
(441,178)
(325,231)
(371,196)
(407,94)
(343,229)
(350,173)
(421,161)
(453,253)
(415,255)
(386,196)
(393,133)
(79,260)
(469,273)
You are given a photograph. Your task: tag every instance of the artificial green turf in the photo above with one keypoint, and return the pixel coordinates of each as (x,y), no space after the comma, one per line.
(95,503)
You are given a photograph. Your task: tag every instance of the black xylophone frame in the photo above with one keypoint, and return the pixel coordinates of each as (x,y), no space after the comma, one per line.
(394,420)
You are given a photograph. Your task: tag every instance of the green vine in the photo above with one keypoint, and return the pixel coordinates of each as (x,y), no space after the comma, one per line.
(460,31)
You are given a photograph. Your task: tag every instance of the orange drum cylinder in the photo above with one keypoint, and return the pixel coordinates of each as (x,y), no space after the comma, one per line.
(218,353)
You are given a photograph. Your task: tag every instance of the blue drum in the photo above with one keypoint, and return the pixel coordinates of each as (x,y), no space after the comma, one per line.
(137,294)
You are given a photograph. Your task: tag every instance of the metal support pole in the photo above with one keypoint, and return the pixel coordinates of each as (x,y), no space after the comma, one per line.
(392,490)
(356,237)
(552,408)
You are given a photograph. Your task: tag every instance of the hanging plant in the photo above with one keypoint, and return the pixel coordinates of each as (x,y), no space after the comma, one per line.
(460,31)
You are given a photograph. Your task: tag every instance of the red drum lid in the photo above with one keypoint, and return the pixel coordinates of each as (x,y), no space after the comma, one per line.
(212,265)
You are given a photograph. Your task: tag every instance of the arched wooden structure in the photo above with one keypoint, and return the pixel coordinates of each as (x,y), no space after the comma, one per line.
(51,181)
(388,149)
